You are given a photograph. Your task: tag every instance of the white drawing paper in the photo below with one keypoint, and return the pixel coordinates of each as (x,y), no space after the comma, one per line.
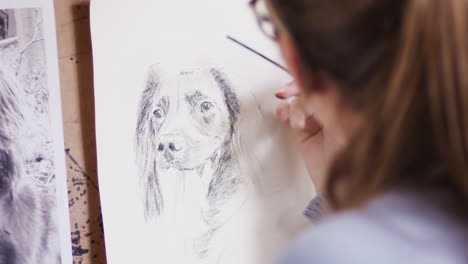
(33,191)
(194,167)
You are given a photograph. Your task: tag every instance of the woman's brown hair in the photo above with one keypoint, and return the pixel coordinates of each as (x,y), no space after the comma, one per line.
(403,64)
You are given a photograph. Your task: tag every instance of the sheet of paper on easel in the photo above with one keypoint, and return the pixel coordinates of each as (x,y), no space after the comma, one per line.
(193,165)
(34,222)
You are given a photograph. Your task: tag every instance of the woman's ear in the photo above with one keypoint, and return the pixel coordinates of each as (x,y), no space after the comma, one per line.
(308,79)
(293,61)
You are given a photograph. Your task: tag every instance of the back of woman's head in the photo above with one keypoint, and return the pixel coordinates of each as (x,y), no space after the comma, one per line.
(403,65)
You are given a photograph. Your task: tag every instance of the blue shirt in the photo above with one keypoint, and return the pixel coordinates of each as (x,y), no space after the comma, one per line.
(399,227)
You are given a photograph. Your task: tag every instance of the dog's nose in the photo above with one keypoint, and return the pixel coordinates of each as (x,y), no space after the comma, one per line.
(173,147)
(161,147)
(173,144)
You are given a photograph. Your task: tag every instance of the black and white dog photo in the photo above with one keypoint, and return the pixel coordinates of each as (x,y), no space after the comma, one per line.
(28,233)
(28,223)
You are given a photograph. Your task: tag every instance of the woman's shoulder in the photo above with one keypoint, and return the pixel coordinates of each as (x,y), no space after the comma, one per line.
(396,228)
(348,237)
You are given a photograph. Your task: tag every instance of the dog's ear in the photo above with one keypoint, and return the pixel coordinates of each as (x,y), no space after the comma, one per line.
(153,198)
(153,77)
(230,96)
(145,108)
(8,251)
(145,145)
(8,168)
(11,121)
(11,107)
(233,105)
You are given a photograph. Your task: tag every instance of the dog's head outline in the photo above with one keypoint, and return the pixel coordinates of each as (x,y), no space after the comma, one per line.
(147,146)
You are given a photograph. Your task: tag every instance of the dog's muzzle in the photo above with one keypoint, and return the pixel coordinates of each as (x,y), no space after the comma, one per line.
(171,147)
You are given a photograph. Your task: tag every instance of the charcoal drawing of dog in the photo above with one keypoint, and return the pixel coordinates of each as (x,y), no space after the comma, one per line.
(28,232)
(188,122)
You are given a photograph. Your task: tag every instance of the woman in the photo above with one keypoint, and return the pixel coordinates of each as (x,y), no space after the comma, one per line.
(381,110)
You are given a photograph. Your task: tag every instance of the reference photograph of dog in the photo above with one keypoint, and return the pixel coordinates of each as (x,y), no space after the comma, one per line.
(187,132)
(29,233)
(29,229)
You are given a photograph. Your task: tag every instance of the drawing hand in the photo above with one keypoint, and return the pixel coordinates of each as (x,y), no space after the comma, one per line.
(309,132)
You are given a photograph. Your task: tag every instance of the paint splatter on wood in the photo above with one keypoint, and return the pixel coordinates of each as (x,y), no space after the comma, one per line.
(86,219)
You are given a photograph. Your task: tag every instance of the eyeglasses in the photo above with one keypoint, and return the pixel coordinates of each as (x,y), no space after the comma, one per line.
(264,21)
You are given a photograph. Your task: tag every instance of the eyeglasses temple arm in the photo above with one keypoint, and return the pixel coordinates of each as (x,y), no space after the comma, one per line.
(258,53)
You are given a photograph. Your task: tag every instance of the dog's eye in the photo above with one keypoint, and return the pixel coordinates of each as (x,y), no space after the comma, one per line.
(158,113)
(205,107)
